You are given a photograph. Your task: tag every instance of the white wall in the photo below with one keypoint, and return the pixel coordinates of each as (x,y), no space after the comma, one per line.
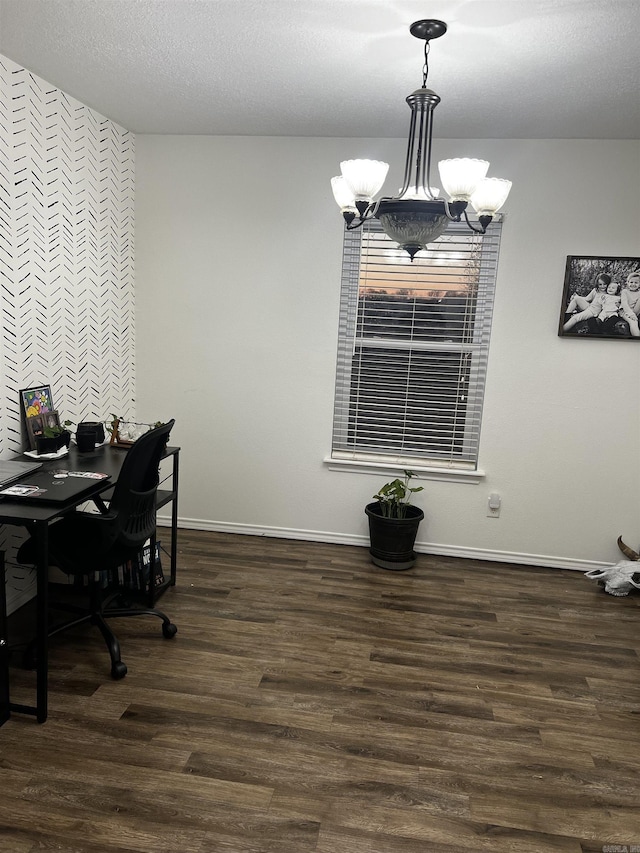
(238,275)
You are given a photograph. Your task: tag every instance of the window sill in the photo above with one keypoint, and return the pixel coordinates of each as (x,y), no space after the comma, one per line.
(393,469)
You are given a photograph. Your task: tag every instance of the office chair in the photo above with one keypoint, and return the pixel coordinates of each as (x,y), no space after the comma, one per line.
(83,543)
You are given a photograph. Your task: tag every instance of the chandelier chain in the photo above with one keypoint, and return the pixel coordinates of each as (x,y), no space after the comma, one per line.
(425,67)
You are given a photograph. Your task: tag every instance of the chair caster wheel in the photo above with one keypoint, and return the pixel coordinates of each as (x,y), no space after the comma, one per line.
(169,630)
(118,670)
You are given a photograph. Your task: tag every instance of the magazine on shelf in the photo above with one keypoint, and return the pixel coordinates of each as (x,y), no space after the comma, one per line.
(132,575)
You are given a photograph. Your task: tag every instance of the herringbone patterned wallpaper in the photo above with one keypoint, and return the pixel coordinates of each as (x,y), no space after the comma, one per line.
(66,264)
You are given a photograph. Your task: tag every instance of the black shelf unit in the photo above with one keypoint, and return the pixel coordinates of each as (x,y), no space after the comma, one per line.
(165,496)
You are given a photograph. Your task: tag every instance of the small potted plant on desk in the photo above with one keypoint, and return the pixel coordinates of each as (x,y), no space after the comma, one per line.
(393,525)
(53,438)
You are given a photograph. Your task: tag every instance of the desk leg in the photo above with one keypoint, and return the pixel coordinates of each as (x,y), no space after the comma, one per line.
(42,609)
(174,520)
(5,702)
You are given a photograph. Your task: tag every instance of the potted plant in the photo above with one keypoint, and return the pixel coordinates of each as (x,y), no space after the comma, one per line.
(53,438)
(393,524)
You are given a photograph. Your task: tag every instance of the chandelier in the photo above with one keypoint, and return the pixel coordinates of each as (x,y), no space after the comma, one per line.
(417,216)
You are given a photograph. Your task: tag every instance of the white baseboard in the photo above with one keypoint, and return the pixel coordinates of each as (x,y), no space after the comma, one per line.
(259,530)
(543,560)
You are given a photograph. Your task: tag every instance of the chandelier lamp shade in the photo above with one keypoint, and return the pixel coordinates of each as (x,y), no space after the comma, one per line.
(418,216)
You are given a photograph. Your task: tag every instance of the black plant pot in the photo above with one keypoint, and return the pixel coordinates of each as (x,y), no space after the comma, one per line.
(53,444)
(96,428)
(392,539)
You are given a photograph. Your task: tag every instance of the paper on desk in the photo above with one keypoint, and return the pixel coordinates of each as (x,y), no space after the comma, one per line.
(33,454)
(22,491)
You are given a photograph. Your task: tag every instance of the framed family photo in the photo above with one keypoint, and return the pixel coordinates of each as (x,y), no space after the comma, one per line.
(35,429)
(37,426)
(601,298)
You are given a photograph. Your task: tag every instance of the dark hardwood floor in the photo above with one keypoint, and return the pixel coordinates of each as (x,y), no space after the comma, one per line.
(313,702)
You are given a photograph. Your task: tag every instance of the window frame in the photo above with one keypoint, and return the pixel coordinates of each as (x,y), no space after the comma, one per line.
(450,468)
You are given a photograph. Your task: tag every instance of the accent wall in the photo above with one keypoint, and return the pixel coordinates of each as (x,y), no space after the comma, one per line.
(66,266)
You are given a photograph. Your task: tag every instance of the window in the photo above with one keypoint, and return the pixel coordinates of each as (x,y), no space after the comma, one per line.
(413,348)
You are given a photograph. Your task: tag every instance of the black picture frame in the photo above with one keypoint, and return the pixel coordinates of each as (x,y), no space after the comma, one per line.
(35,428)
(39,397)
(588,308)
(51,420)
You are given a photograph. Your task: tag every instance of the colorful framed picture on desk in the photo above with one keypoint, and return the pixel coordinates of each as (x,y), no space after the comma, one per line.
(36,401)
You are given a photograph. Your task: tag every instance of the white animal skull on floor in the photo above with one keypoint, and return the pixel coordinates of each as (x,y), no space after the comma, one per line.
(618,579)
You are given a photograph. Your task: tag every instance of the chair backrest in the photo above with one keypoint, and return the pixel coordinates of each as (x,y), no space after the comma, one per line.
(133,503)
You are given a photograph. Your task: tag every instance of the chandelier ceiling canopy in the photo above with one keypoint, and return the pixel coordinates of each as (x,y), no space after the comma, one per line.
(417,216)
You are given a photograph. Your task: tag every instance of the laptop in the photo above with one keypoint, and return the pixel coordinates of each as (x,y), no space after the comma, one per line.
(15,469)
(52,487)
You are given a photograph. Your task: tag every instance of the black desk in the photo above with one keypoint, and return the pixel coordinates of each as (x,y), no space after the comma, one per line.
(38,517)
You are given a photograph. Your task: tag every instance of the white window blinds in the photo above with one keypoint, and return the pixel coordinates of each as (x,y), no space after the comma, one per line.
(413,347)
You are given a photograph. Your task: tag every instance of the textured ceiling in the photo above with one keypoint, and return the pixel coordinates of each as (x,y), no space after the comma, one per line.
(505,69)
